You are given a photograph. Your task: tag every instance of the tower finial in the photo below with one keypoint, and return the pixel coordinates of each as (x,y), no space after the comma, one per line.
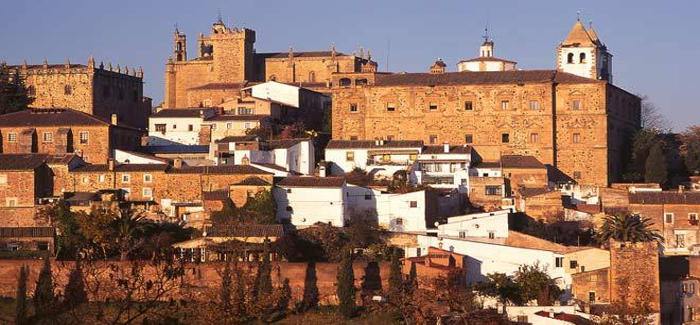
(578,15)
(486,33)
(177,30)
(219,19)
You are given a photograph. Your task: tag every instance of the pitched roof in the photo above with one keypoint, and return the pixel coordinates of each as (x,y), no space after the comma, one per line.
(21,161)
(238,138)
(488,164)
(13,232)
(487,58)
(49,117)
(284,143)
(370,144)
(441,150)
(226,170)
(533,191)
(518,161)
(175,149)
(215,196)
(247,230)
(180,112)
(666,197)
(578,36)
(237,117)
(312,181)
(518,239)
(253,181)
(221,86)
(121,168)
(478,78)
(309,54)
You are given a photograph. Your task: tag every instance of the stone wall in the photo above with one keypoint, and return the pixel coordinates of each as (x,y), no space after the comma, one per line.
(596,281)
(634,273)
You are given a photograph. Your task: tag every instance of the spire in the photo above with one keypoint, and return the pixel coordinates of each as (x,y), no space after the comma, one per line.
(46,63)
(91,62)
(578,36)
(67,63)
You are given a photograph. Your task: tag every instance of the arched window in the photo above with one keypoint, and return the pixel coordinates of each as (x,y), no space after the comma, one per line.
(345,82)
(361,82)
(582,58)
(67,90)
(312,76)
(570,58)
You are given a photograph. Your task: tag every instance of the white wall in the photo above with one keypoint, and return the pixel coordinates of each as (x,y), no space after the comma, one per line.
(388,208)
(310,205)
(477,225)
(579,69)
(341,165)
(278,92)
(176,131)
(122,157)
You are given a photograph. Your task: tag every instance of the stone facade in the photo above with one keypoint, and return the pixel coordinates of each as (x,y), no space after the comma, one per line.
(227,61)
(634,273)
(592,287)
(91,89)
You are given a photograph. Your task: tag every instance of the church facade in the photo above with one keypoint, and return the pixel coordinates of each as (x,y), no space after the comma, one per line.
(572,119)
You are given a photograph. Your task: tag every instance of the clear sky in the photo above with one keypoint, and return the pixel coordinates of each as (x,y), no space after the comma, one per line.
(655,44)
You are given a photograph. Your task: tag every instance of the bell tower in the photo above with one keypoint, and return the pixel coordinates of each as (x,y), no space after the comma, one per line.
(582,53)
(179,46)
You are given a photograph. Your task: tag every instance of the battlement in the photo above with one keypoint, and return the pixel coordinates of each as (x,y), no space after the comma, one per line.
(69,68)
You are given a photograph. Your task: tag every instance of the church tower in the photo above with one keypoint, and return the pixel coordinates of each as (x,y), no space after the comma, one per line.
(179,46)
(583,54)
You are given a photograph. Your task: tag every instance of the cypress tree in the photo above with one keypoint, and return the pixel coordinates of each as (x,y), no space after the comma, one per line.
(21,298)
(346,286)
(372,281)
(238,299)
(43,295)
(395,277)
(656,167)
(74,292)
(310,297)
(413,277)
(226,286)
(285,296)
(263,280)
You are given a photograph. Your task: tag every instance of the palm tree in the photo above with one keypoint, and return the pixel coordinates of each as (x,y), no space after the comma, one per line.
(628,228)
(128,226)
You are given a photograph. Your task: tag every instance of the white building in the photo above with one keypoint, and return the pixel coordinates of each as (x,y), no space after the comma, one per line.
(445,167)
(177,126)
(486,61)
(485,225)
(378,157)
(306,200)
(583,54)
(280,157)
(130,157)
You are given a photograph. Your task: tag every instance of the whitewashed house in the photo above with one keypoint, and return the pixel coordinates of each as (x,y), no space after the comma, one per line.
(306,200)
(177,126)
(445,167)
(484,225)
(377,157)
(280,157)
(131,157)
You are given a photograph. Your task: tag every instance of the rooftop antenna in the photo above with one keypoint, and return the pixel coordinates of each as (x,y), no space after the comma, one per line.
(218,16)
(486,33)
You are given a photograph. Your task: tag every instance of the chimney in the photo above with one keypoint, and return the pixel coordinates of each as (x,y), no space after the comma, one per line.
(680,188)
(446,147)
(177,163)
(114,119)
(322,169)
(110,164)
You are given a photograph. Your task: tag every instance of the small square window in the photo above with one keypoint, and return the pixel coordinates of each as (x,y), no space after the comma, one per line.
(505,138)
(349,156)
(505,105)
(353,107)
(12,137)
(492,235)
(576,138)
(85,179)
(229,125)
(413,204)
(368,196)
(693,217)
(190,127)
(573,264)
(147,192)
(390,107)
(468,106)
(577,175)
(668,218)
(398,221)
(101,178)
(48,137)
(433,107)
(147,178)
(353,137)
(462,234)
(289,190)
(534,105)
(433,139)
(84,137)
(576,104)
(3,179)
(11,202)
(126,178)
(559,262)
(534,138)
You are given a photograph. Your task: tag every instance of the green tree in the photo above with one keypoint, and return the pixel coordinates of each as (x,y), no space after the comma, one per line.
(14,96)
(261,208)
(69,238)
(656,169)
(642,142)
(535,284)
(627,228)
(129,227)
(346,286)
(74,294)
(263,279)
(21,297)
(43,294)
(412,278)
(226,281)
(691,149)
(395,277)
(310,297)
(285,296)
(363,230)
(372,280)
(502,287)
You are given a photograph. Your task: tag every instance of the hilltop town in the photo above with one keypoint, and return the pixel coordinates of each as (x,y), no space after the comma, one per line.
(308,186)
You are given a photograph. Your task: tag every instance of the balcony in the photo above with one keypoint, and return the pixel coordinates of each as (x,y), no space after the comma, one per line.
(371,162)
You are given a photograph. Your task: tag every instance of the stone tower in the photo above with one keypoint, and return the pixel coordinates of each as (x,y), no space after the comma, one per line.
(583,54)
(179,46)
(232,51)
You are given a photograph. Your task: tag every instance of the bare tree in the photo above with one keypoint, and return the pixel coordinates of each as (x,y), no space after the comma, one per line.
(652,118)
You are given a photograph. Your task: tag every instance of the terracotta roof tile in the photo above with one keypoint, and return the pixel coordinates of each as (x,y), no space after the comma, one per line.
(487,58)
(311,181)
(221,86)
(481,77)
(121,168)
(666,197)
(518,161)
(21,161)
(215,196)
(247,230)
(175,149)
(232,169)
(253,181)
(238,117)
(49,117)
(371,144)
(181,112)
(441,150)
(14,232)
(284,143)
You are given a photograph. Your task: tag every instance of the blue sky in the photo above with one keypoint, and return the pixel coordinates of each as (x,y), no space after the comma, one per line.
(655,46)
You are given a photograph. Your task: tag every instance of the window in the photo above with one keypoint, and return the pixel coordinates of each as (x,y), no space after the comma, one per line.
(126,178)
(468,106)
(147,178)
(493,190)
(361,82)
(101,178)
(570,58)
(576,104)
(398,221)
(345,82)
(389,137)
(522,319)
(413,157)
(147,192)
(668,217)
(468,138)
(85,179)
(504,105)
(582,58)
(534,105)
(433,139)
(368,196)
(353,107)
(245,111)
(573,264)
(174,126)
(42,246)
(84,137)
(247,125)
(289,209)
(229,125)
(433,107)
(353,137)
(534,138)
(3,179)
(577,175)
(11,201)
(576,138)
(693,218)
(680,240)
(505,138)
(12,137)
(462,234)
(67,90)
(591,296)
(413,204)
(386,158)
(48,137)
(349,156)
(312,76)
(390,107)
(559,262)
(31,91)
(492,235)
(190,127)
(289,190)
(160,128)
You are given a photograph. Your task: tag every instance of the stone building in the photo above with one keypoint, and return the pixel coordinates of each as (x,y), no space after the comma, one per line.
(569,122)
(58,131)
(227,61)
(97,90)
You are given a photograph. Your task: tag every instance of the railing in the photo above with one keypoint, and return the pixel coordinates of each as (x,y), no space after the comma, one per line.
(388,163)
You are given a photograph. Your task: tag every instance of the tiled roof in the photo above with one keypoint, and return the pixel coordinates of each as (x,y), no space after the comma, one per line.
(121,168)
(80,196)
(237,117)
(568,318)
(181,112)
(518,161)
(284,143)
(477,78)
(221,86)
(174,149)
(21,161)
(487,58)
(578,36)
(247,230)
(253,181)
(371,144)
(489,164)
(49,117)
(518,239)
(311,181)
(441,150)
(310,54)
(237,138)
(666,197)
(231,169)
(14,232)
(271,166)
(532,191)
(215,196)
